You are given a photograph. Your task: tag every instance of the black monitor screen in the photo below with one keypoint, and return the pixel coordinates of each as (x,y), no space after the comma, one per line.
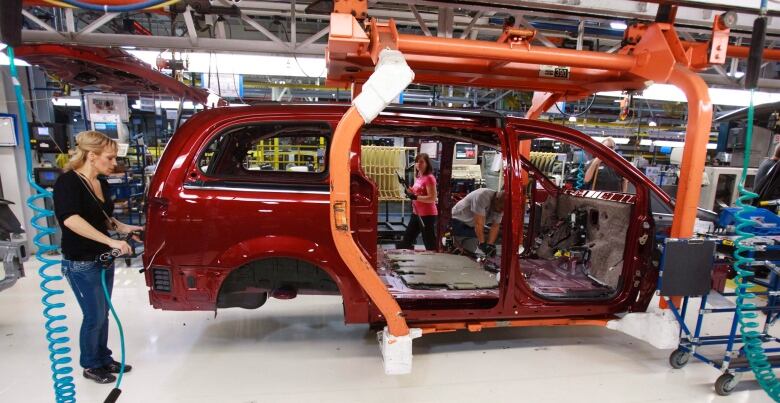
(108,128)
(49,176)
(465,151)
(49,136)
(46,177)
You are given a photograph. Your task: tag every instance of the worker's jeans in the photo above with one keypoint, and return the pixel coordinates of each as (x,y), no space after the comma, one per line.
(84,279)
(464,236)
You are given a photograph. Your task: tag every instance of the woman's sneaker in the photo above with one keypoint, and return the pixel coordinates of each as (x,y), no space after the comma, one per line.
(114,367)
(99,375)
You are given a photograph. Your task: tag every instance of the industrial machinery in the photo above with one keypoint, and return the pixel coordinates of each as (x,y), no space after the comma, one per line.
(760,148)
(49,137)
(492,169)
(108,114)
(721,190)
(464,165)
(12,252)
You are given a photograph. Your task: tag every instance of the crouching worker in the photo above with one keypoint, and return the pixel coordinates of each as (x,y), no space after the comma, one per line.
(469,217)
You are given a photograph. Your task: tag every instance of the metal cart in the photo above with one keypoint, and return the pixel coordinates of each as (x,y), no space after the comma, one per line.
(732,361)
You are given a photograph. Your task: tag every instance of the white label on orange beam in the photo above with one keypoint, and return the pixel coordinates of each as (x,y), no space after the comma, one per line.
(554,71)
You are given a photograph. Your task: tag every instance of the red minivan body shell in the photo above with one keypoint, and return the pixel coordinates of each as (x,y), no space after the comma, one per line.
(202,232)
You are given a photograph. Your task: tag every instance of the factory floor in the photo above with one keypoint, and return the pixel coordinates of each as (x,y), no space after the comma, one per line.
(301,351)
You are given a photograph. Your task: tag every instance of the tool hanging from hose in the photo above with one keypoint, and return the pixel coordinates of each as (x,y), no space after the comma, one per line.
(748,324)
(64,388)
(107,260)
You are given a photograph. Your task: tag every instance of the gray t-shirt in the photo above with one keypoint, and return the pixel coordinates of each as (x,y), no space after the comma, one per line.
(477,202)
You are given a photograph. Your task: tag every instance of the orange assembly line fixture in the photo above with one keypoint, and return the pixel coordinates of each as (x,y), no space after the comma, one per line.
(478,326)
(340,159)
(657,56)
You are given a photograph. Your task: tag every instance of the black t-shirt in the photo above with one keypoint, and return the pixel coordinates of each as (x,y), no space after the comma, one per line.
(768,187)
(73,197)
(607,180)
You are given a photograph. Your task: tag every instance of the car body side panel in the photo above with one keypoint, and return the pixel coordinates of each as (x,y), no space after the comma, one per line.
(199,228)
(638,272)
(195,222)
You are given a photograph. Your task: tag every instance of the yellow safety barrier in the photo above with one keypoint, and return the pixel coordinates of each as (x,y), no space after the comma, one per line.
(282,157)
(155,151)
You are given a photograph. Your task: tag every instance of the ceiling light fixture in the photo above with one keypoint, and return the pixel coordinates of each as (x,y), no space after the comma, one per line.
(620,25)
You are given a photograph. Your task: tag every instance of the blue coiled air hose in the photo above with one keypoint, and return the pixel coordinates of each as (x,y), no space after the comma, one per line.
(64,388)
(580,173)
(748,323)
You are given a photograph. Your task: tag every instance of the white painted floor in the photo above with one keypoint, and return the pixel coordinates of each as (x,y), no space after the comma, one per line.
(301,351)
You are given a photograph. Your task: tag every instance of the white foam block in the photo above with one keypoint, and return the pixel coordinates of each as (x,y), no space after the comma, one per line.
(657,327)
(397,351)
(391,76)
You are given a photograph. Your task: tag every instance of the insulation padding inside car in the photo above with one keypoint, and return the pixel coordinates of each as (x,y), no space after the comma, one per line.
(607,224)
(440,270)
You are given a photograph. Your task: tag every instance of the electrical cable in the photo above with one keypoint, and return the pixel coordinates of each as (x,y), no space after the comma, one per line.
(64,388)
(295,57)
(144,5)
(584,111)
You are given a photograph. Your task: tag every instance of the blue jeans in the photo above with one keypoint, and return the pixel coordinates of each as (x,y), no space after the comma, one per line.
(84,280)
(464,236)
(461,229)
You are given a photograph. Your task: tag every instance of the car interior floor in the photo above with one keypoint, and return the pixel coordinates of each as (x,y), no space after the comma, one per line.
(562,278)
(414,275)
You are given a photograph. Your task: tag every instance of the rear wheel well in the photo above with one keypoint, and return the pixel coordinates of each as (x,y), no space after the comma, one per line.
(248,286)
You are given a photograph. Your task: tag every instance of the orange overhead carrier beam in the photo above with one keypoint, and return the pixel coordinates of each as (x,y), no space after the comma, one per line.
(656,55)
(740,51)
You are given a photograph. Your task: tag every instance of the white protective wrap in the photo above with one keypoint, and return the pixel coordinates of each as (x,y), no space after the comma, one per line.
(397,351)
(658,327)
(391,76)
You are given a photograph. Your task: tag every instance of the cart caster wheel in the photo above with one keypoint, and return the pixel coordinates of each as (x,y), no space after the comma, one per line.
(127,262)
(725,384)
(679,358)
